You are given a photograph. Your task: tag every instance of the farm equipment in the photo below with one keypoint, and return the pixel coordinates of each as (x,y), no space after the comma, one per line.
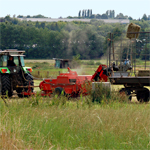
(71,83)
(13,74)
(127,70)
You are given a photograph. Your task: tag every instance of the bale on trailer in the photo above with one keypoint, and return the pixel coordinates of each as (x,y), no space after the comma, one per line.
(131,31)
(144,73)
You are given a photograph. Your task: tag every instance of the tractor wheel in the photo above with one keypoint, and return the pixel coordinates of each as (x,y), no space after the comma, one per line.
(143,95)
(28,81)
(58,91)
(126,92)
(6,85)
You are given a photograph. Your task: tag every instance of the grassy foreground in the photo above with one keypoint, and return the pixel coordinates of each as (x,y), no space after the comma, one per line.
(56,123)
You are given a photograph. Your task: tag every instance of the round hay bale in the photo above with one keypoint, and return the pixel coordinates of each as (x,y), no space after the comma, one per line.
(133,28)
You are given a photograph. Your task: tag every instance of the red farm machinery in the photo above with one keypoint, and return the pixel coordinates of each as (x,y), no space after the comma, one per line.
(71,83)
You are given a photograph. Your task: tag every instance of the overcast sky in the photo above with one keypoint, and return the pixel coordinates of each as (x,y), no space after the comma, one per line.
(64,8)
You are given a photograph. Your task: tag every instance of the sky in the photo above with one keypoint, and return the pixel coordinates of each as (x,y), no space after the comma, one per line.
(65,8)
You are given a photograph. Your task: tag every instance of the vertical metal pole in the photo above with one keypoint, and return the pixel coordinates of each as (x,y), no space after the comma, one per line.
(110,50)
(121,51)
(135,66)
(107,50)
(0,85)
(131,53)
(145,61)
(127,51)
(113,47)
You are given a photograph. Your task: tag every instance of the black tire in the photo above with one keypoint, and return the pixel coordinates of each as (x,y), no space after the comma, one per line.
(143,95)
(6,85)
(28,81)
(127,92)
(58,91)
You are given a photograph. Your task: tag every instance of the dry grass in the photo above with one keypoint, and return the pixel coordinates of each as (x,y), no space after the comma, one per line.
(112,126)
(9,141)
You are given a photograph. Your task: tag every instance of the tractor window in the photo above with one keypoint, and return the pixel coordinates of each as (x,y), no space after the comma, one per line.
(16,61)
(22,61)
(3,61)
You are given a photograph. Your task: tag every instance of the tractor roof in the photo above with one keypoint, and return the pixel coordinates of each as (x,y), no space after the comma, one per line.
(12,52)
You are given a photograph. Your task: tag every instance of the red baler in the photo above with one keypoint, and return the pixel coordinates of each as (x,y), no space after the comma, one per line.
(71,83)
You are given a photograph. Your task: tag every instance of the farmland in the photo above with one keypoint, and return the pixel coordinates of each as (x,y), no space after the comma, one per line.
(58,123)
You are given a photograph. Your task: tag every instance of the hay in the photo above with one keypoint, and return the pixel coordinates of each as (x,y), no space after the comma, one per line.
(133,28)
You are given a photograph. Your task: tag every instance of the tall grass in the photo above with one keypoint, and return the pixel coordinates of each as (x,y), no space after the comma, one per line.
(58,123)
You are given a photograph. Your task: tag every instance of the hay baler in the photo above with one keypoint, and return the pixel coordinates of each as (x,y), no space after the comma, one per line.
(71,83)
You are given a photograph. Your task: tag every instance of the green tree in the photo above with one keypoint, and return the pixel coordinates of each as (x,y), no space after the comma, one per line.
(104,16)
(98,16)
(117,32)
(130,18)
(19,16)
(37,24)
(88,13)
(79,14)
(83,13)
(145,17)
(43,25)
(120,16)
(28,16)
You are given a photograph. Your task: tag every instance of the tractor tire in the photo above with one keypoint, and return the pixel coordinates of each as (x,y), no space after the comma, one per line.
(6,85)
(143,95)
(127,92)
(58,91)
(28,81)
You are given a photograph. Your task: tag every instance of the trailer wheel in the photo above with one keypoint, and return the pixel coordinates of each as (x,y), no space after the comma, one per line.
(58,91)
(6,85)
(143,95)
(126,92)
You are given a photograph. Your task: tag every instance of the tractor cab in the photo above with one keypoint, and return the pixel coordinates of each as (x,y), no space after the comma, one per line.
(12,61)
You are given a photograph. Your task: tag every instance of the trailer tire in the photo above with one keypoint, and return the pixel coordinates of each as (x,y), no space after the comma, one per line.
(143,95)
(127,92)
(58,91)
(6,85)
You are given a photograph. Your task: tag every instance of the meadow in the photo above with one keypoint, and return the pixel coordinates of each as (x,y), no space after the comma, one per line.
(78,123)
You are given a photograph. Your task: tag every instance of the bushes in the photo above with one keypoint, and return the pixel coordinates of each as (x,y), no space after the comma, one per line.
(101,93)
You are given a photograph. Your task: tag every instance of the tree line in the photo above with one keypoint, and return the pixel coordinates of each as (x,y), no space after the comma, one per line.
(47,40)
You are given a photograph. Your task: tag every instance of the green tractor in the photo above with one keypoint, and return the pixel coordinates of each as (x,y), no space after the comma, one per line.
(13,73)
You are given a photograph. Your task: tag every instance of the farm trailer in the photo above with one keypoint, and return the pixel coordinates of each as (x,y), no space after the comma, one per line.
(123,56)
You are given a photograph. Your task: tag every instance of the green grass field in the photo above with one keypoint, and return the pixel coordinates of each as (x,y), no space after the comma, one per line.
(52,123)
(78,123)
